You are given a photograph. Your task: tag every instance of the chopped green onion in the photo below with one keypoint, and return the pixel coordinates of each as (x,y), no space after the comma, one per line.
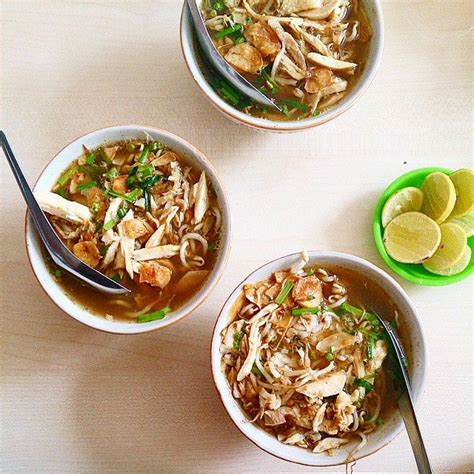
(212,247)
(295,104)
(146,196)
(58,273)
(255,370)
(240,40)
(144,154)
(329,357)
(62,192)
(90,159)
(266,77)
(284,109)
(237,340)
(93,170)
(156,315)
(370,348)
(219,5)
(112,173)
(300,311)
(228,31)
(310,272)
(316,113)
(122,212)
(284,292)
(363,383)
(351,309)
(110,224)
(379,421)
(88,185)
(95,207)
(230,93)
(67,176)
(156,146)
(116,277)
(145,170)
(131,197)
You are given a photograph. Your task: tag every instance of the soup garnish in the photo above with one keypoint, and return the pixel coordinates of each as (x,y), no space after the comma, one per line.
(306,54)
(306,360)
(141,214)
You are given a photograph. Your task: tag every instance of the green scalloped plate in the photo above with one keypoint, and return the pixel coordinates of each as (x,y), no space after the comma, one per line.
(411,272)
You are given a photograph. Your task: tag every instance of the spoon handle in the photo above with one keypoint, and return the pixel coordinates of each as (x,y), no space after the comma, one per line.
(41,223)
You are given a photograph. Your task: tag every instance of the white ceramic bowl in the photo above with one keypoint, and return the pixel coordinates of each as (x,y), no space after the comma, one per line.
(195,66)
(49,177)
(418,360)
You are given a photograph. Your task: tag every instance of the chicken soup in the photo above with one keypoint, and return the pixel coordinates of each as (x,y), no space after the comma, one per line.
(142,215)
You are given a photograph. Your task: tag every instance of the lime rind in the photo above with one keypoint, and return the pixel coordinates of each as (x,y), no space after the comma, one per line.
(405,200)
(439,196)
(451,248)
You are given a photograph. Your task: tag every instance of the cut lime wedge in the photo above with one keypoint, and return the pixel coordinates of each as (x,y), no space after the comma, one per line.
(404,200)
(412,237)
(466,222)
(463,181)
(450,251)
(439,196)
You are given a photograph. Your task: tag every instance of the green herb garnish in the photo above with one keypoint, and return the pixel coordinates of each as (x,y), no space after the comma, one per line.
(300,311)
(144,154)
(284,292)
(90,159)
(255,370)
(110,224)
(237,340)
(228,31)
(67,176)
(88,185)
(295,104)
(363,383)
(58,273)
(155,316)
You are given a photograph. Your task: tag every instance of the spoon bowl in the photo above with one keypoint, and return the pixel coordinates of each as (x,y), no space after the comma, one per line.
(60,254)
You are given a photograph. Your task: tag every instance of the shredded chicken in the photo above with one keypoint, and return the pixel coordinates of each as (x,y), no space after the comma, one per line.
(296,365)
(276,44)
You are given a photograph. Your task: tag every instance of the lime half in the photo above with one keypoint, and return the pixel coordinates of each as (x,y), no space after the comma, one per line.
(459,266)
(405,200)
(439,196)
(463,181)
(466,222)
(412,237)
(450,251)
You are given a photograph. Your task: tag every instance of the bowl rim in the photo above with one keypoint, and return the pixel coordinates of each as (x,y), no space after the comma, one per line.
(422,349)
(377,232)
(90,319)
(235,115)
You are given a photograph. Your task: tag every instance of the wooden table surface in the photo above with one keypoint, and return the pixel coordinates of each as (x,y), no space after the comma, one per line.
(74,399)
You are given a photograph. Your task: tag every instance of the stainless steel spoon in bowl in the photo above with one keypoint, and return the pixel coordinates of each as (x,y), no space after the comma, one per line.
(60,254)
(220,64)
(405,400)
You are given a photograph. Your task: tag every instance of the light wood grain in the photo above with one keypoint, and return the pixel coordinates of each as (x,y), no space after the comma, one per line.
(74,399)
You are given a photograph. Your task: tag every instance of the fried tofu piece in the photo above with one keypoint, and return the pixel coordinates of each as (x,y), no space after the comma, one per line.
(87,252)
(135,228)
(155,274)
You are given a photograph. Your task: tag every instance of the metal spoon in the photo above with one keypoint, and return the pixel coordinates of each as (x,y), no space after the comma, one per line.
(60,254)
(405,402)
(220,64)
